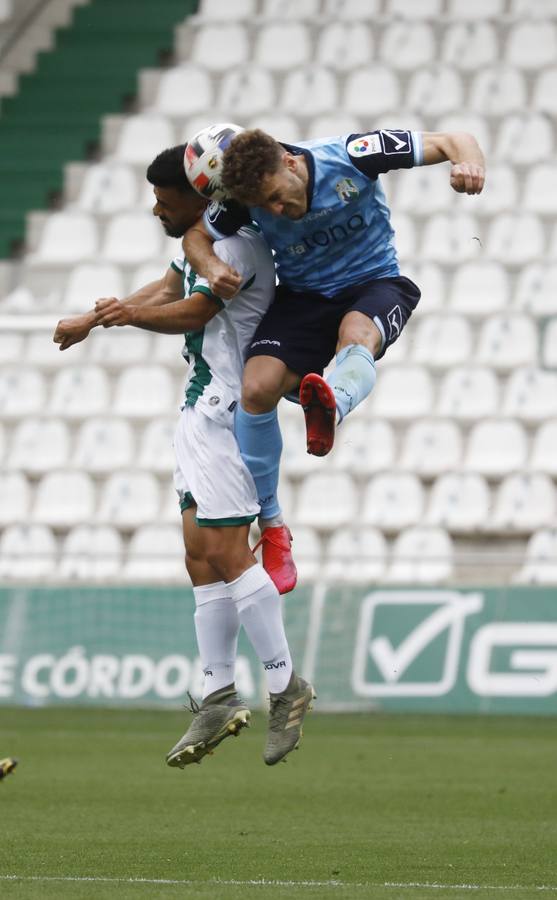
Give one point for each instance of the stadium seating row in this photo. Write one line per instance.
(363, 556)
(403, 393)
(132, 238)
(326, 500)
(493, 448)
(343, 46)
(354, 10)
(475, 289)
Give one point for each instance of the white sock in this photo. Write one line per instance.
(260, 610)
(217, 626)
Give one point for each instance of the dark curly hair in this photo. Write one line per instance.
(250, 157)
(167, 170)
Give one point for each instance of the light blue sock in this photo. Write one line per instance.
(353, 377)
(260, 443)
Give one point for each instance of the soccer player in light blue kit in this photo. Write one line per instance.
(323, 211)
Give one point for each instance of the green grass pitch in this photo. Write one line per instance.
(386, 807)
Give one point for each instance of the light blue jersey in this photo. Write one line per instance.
(346, 237)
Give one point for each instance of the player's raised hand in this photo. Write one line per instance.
(467, 178)
(109, 311)
(72, 331)
(224, 281)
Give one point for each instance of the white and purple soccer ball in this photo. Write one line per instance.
(203, 158)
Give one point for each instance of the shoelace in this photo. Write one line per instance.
(194, 706)
(272, 539)
(278, 716)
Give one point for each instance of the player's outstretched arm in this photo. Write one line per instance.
(190, 314)
(75, 329)
(224, 280)
(463, 152)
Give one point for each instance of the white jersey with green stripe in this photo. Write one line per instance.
(216, 352)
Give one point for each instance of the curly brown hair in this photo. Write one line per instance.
(250, 157)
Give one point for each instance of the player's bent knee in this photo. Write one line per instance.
(260, 395)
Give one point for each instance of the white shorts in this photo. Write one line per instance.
(211, 473)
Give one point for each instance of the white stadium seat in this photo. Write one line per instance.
(307, 548)
(39, 445)
(467, 121)
(501, 194)
(480, 288)
(282, 127)
(132, 238)
(309, 91)
(370, 90)
(108, 188)
(497, 91)
(431, 447)
(326, 501)
(2, 441)
(536, 290)
(64, 499)
(156, 453)
(91, 553)
(496, 448)
(515, 239)
(351, 10)
(393, 501)
(531, 395)
(247, 91)
(544, 95)
(524, 503)
(333, 124)
(280, 47)
(79, 392)
(450, 239)
(524, 140)
(407, 45)
(216, 9)
(182, 91)
(421, 556)
(27, 552)
(543, 457)
(540, 560)
(434, 90)
(469, 45)
(356, 556)
(402, 393)
(296, 462)
(475, 9)
(116, 348)
(533, 9)
(87, 283)
(432, 283)
(219, 48)
(469, 393)
(459, 503)
(532, 45)
(22, 392)
(104, 445)
(345, 46)
(15, 498)
(549, 349)
(11, 347)
(418, 9)
(47, 355)
(442, 341)
(423, 191)
(540, 189)
(129, 499)
(144, 391)
(507, 341)
(363, 447)
(290, 9)
(156, 552)
(67, 237)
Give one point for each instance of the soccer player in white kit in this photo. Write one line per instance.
(217, 494)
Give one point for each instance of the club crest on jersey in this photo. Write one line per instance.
(364, 145)
(346, 190)
(395, 141)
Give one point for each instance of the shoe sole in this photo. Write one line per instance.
(309, 707)
(315, 394)
(194, 753)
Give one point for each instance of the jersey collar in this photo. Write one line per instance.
(308, 156)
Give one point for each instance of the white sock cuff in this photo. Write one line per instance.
(208, 592)
(249, 582)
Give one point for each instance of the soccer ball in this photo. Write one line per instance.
(203, 158)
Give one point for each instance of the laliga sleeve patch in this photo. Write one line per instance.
(364, 145)
(396, 142)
